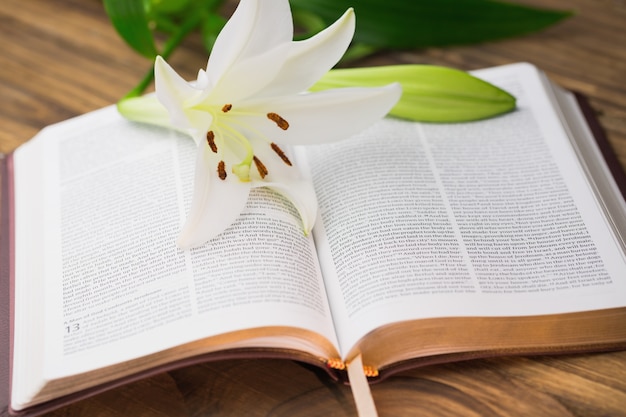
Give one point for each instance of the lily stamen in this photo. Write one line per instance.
(226, 108)
(210, 137)
(260, 167)
(280, 122)
(221, 170)
(280, 153)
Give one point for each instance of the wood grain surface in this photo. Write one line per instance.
(61, 58)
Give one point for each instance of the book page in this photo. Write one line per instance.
(489, 218)
(102, 251)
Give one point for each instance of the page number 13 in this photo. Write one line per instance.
(71, 327)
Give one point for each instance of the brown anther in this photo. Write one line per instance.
(280, 153)
(280, 122)
(221, 170)
(260, 167)
(210, 138)
(226, 108)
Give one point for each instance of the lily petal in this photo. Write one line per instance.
(177, 96)
(252, 30)
(245, 79)
(173, 91)
(326, 116)
(310, 59)
(215, 205)
(302, 195)
(289, 68)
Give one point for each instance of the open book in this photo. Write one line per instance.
(434, 243)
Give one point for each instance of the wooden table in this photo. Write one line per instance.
(59, 59)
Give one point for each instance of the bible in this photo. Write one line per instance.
(434, 243)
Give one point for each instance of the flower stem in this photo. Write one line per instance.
(192, 21)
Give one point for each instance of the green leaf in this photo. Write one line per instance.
(424, 23)
(130, 20)
(429, 93)
(168, 6)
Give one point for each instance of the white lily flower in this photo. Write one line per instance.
(251, 98)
